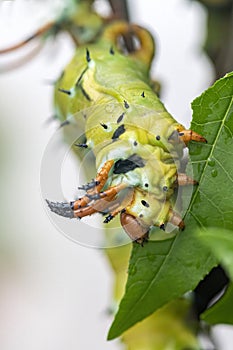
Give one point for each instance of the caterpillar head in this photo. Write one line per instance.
(139, 210)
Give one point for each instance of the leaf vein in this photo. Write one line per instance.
(153, 279)
(210, 155)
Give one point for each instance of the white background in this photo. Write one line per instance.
(55, 293)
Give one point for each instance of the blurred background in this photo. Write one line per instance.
(55, 293)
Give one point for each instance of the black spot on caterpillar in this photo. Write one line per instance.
(67, 92)
(120, 118)
(88, 57)
(118, 132)
(104, 126)
(85, 94)
(111, 51)
(123, 166)
(145, 204)
(126, 104)
(80, 77)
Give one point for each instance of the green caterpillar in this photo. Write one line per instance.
(138, 148)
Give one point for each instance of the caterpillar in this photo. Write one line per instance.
(138, 149)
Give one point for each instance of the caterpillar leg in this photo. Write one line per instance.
(62, 209)
(93, 187)
(120, 205)
(176, 220)
(97, 197)
(189, 135)
(102, 176)
(134, 229)
(109, 193)
(97, 206)
(69, 209)
(99, 201)
(184, 180)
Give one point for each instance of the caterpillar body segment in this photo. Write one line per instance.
(137, 144)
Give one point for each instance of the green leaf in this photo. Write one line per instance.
(164, 270)
(221, 243)
(212, 164)
(158, 273)
(170, 326)
(221, 312)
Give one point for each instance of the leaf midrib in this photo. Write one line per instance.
(154, 278)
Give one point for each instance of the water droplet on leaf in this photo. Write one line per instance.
(133, 270)
(214, 173)
(211, 162)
